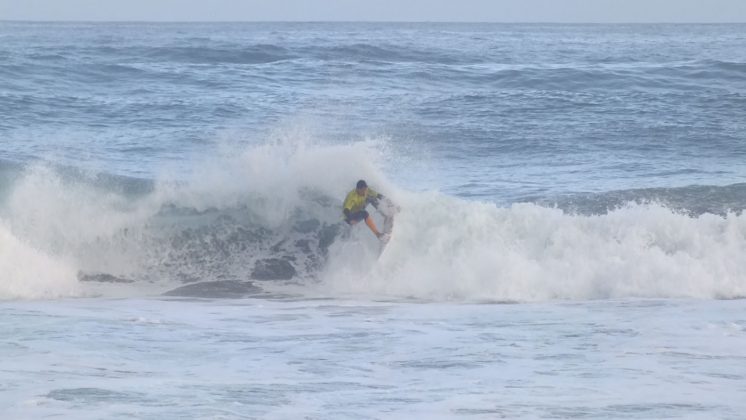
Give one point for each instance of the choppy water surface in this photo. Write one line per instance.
(498, 111)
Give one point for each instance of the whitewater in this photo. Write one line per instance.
(570, 242)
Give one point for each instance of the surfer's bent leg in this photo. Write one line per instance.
(372, 225)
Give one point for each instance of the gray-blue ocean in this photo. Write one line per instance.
(570, 241)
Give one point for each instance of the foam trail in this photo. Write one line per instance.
(445, 248)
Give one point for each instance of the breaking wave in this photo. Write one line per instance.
(270, 215)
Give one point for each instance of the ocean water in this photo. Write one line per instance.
(570, 243)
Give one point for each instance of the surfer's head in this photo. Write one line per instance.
(361, 187)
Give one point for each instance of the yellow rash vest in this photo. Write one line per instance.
(355, 202)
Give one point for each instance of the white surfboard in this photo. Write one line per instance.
(387, 210)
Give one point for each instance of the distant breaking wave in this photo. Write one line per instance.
(280, 203)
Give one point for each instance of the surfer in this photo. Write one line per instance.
(355, 203)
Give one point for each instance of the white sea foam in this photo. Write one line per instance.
(446, 248)
(30, 273)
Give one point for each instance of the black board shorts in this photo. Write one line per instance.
(358, 216)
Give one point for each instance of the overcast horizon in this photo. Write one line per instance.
(377, 22)
(477, 11)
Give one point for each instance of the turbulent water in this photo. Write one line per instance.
(592, 175)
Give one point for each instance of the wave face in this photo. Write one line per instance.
(280, 202)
